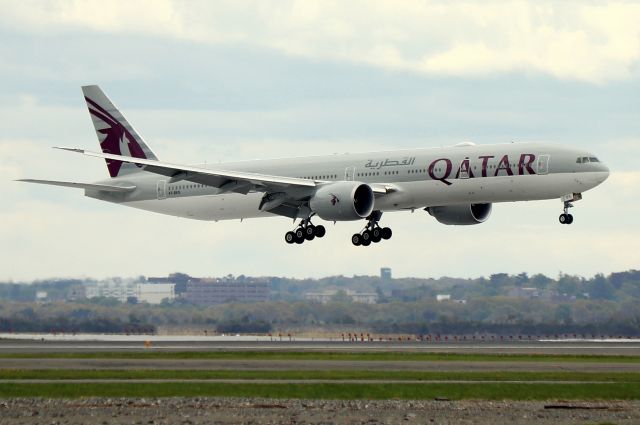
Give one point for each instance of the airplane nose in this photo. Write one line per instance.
(605, 172)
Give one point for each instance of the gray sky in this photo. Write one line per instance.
(217, 81)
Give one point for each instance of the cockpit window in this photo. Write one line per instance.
(587, 159)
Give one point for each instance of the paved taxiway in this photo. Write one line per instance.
(569, 347)
(618, 348)
(346, 365)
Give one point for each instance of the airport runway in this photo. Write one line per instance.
(569, 347)
(346, 365)
(580, 348)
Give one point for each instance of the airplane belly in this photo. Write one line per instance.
(209, 207)
(487, 190)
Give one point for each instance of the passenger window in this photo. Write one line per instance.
(593, 159)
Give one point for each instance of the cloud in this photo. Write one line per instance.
(586, 41)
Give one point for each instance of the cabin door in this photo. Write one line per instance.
(162, 189)
(349, 174)
(543, 164)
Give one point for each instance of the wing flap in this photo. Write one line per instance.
(90, 186)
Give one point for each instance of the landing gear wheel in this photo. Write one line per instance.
(305, 231)
(356, 239)
(309, 233)
(565, 217)
(290, 237)
(372, 232)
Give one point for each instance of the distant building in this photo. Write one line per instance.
(118, 289)
(220, 291)
(41, 296)
(155, 293)
(180, 281)
(356, 297)
(385, 273)
(531, 293)
(443, 297)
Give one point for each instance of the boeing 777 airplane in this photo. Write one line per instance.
(456, 185)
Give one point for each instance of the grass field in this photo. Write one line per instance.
(308, 355)
(484, 391)
(64, 374)
(484, 385)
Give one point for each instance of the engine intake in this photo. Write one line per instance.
(461, 215)
(342, 201)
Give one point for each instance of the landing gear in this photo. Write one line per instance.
(372, 232)
(305, 231)
(565, 217)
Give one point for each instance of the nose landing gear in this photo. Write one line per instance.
(372, 232)
(565, 217)
(305, 231)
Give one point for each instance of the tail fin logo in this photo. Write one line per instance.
(117, 140)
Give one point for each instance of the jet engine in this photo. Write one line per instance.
(342, 201)
(464, 214)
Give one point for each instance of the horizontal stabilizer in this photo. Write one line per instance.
(90, 186)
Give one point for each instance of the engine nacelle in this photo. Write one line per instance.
(462, 215)
(341, 201)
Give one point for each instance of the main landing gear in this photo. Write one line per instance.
(305, 231)
(565, 217)
(372, 232)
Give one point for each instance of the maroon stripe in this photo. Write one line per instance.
(103, 118)
(99, 108)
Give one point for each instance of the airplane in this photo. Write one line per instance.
(457, 185)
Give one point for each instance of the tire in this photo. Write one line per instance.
(289, 237)
(386, 233)
(366, 242)
(356, 239)
(309, 233)
(300, 233)
(300, 240)
(376, 235)
(366, 236)
(320, 231)
(563, 218)
(569, 219)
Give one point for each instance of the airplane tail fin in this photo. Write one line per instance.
(115, 134)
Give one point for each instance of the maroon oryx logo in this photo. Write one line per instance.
(118, 140)
(334, 199)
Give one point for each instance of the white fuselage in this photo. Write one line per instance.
(418, 178)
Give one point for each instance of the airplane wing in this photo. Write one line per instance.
(232, 181)
(91, 186)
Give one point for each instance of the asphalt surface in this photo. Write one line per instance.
(217, 364)
(627, 348)
(615, 348)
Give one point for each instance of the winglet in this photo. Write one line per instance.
(69, 149)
